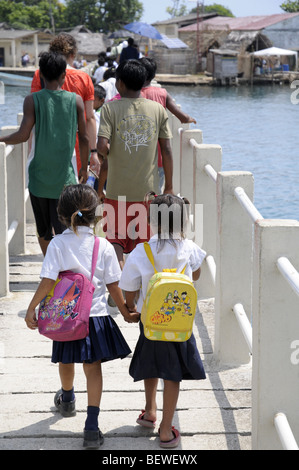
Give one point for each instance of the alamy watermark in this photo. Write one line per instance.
(131, 220)
(295, 95)
(295, 354)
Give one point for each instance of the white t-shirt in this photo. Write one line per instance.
(69, 251)
(110, 88)
(138, 270)
(99, 73)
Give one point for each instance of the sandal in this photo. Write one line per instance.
(146, 423)
(173, 442)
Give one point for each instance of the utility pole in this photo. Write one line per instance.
(200, 12)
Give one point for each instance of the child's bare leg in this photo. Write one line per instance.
(67, 374)
(170, 398)
(150, 387)
(94, 381)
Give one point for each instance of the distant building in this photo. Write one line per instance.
(247, 34)
(14, 43)
(171, 27)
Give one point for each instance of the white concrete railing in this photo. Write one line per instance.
(12, 205)
(245, 270)
(248, 263)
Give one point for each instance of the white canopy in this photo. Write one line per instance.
(273, 51)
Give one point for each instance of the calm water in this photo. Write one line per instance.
(257, 129)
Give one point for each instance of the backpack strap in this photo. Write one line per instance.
(94, 256)
(150, 256)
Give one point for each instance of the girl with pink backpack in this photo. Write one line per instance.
(72, 250)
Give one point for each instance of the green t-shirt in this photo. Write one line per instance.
(55, 136)
(133, 127)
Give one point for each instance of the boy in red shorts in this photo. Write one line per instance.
(129, 131)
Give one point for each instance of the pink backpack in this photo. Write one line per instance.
(64, 313)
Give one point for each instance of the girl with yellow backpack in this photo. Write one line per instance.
(157, 280)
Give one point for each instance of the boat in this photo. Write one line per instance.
(12, 79)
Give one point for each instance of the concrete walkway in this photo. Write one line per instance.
(214, 414)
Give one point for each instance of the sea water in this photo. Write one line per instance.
(257, 128)
(11, 104)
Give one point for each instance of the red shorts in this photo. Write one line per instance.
(126, 223)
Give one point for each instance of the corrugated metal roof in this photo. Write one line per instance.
(16, 34)
(183, 19)
(246, 23)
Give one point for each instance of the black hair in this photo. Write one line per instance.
(99, 92)
(52, 65)
(101, 60)
(110, 72)
(77, 206)
(169, 214)
(132, 73)
(150, 66)
(130, 41)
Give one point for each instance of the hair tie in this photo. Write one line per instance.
(80, 214)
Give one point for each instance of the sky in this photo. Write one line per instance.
(155, 10)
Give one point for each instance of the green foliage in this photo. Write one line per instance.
(32, 14)
(177, 9)
(289, 6)
(215, 8)
(220, 9)
(101, 15)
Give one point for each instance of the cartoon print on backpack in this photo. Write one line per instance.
(173, 305)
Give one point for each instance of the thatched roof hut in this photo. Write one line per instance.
(89, 44)
(246, 41)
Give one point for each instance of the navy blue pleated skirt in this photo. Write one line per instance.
(166, 360)
(105, 342)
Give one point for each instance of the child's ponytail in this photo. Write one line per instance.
(77, 206)
(168, 215)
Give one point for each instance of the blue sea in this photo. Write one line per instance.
(257, 128)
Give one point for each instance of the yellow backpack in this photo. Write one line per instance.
(169, 307)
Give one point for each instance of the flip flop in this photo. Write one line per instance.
(173, 442)
(146, 423)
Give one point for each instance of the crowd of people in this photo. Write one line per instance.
(116, 126)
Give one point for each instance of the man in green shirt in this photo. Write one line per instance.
(54, 115)
(130, 129)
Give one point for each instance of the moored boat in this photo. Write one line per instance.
(12, 79)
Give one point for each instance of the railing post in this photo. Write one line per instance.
(4, 258)
(233, 267)
(16, 194)
(176, 126)
(275, 359)
(187, 162)
(205, 195)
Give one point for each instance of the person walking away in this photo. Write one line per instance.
(153, 360)
(72, 250)
(159, 94)
(129, 132)
(51, 112)
(99, 72)
(109, 83)
(129, 52)
(99, 100)
(79, 82)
